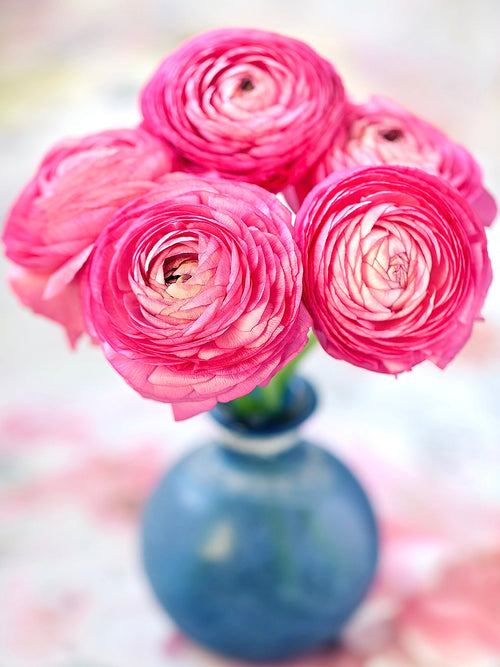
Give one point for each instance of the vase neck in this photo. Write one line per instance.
(266, 435)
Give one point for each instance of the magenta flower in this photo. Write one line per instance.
(52, 227)
(252, 105)
(383, 132)
(194, 292)
(395, 267)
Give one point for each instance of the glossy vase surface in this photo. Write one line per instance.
(260, 545)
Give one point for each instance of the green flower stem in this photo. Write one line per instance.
(269, 400)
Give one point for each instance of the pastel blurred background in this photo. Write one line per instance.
(79, 450)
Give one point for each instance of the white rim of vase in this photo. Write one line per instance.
(258, 445)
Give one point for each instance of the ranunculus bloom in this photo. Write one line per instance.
(52, 227)
(395, 267)
(252, 105)
(383, 132)
(194, 292)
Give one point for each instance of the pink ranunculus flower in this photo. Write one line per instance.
(253, 105)
(51, 229)
(383, 132)
(396, 268)
(194, 292)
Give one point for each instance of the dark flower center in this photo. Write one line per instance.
(246, 84)
(181, 278)
(179, 269)
(393, 134)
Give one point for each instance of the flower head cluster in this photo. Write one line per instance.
(196, 284)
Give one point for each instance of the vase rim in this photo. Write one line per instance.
(300, 401)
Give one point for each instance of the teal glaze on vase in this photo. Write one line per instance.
(265, 555)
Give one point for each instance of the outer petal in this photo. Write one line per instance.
(63, 308)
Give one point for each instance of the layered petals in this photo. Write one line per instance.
(51, 229)
(383, 132)
(194, 292)
(251, 105)
(396, 268)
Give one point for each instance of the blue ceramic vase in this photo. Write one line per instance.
(260, 545)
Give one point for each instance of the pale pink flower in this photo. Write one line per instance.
(383, 132)
(194, 292)
(253, 105)
(396, 268)
(52, 227)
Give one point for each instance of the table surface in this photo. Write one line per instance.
(80, 451)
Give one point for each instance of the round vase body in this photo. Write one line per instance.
(260, 557)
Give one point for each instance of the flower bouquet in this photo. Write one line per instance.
(171, 246)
